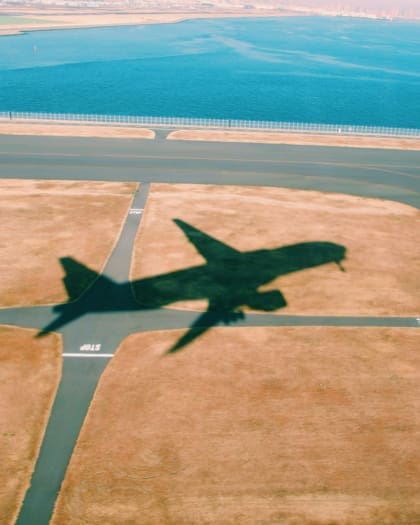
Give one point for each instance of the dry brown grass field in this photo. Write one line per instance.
(381, 238)
(295, 426)
(42, 221)
(30, 370)
(266, 137)
(73, 130)
(70, 129)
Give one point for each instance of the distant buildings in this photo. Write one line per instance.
(384, 9)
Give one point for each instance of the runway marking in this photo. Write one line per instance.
(87, 355)
(135, 211)
(88, 347)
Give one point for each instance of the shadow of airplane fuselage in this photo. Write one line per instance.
(229, 281)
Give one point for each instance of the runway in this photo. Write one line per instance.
(386, 174)
(393, 175)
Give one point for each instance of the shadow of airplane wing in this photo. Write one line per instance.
(203, 323)
(210, 248)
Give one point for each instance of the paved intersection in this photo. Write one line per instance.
(90, 341)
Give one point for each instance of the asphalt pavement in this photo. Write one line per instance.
(387, 174)
(384, 174)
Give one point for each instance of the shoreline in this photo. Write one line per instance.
(51, 19)
(54, 22)
(67, 129)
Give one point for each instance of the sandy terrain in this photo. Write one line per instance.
(296, 138)
(42, 221)
(30, 370)
(85, 18)
(9, 32)
(298, 426)
(381, 239)
(74, 130)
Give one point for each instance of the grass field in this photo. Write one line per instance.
(67, 129)
(30, 370)
(298, 426)
(267, 137)
(42, 221)
(6, 20)
(381, 239)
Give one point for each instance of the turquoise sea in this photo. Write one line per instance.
(306, 69)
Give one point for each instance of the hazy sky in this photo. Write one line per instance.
(367, 4)
(376, 5)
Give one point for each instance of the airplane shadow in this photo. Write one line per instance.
(229, 281)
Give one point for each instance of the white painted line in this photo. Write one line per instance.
(88, 355)
(135, 211)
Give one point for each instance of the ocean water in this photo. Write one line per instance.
(304, 69)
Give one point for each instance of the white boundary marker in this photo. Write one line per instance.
(87, 355)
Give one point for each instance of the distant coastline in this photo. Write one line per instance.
(23, 20)
(86, 20)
